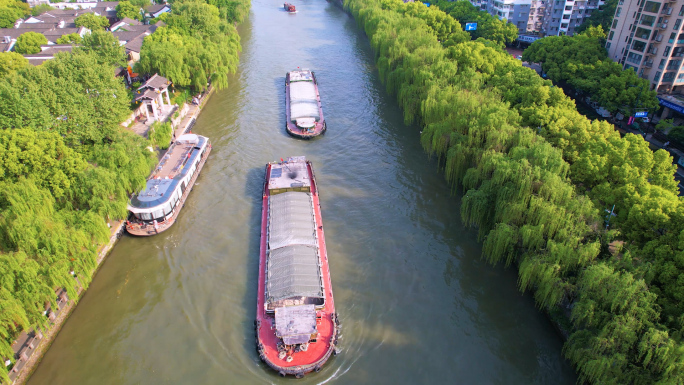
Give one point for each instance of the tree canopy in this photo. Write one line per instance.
(92, 21)
(30, 42)
(581, 62)
(129, 10)
(10, 62)
(196, 46)
(600, 17)
(105, 47)
(11, 10)
(488, 26)
(72, 38)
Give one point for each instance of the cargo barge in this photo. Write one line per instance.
(304, 112)
(156, 207)
(296, 323)
(290, 8)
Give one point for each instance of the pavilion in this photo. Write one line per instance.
(151, 94)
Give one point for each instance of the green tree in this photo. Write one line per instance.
(10, 11)
(72, 38)
(581, 62)
(677, 133)
(41, 9)
(196, 47)
(140, 3)
(600, 17)
(11, 62)
(92, 21)
(160, 134)
(30, 42)
(488, 27)
(9, 16)
(127, 9)
(104, 46)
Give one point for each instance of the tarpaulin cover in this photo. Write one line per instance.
(295, 324)
(303, 100)
(293, 271)
(291, 220)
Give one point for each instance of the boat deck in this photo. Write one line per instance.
(172, 162)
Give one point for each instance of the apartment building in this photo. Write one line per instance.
(646, 36)
(547, 17)
(562, 17)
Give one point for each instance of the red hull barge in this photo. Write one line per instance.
(156, 208)
(296, 324)
(303, 109)
(289, 7)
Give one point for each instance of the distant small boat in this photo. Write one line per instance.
(303, 110)
(290, 8)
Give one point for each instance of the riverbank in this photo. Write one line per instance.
(32, 345)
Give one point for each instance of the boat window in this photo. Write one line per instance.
(146, 216)
(158, 214)
(168, 208)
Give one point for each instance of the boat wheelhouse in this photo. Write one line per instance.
(156, 207)
(304, 112)
(296, 323)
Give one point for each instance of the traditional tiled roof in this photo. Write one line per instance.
(125, 35)
(155, 82)
(148, 94)
(60, 32)
(140, 28)
(135, 45)
(155, 8)
(12, 33)
(48, 52)
(130, 21)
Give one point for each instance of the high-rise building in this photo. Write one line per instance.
(547, 17)
(646, 36)
(562, 17)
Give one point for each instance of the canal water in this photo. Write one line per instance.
(416, 301)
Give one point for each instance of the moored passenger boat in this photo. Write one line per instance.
(296, 324)
(289, 7)
(156, 207)
(304, 113)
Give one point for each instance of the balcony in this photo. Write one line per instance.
(658, 38)
(648, 63)
(662, 25)
(653, 50)
(666, 11)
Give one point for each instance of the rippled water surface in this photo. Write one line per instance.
(416, 302)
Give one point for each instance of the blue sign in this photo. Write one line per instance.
(641, 114)
(671, 105)
(427, 4)
(471, 26)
